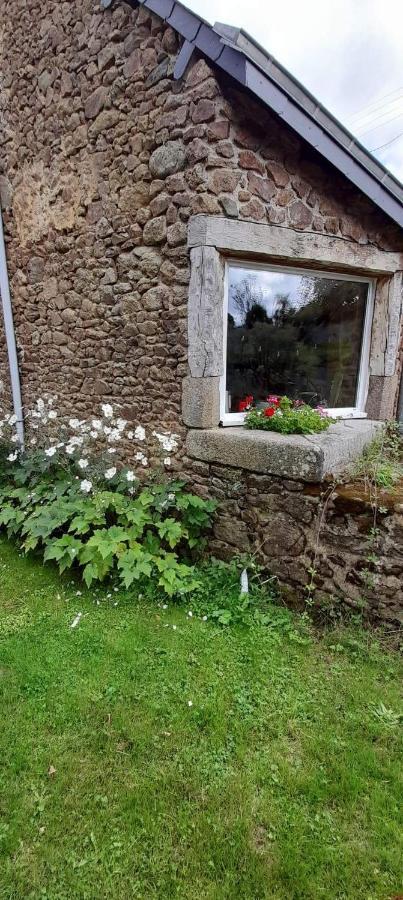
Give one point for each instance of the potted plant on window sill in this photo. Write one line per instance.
(286, 416)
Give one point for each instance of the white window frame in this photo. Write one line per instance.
(355, 412)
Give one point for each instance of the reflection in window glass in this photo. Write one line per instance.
(293, 334)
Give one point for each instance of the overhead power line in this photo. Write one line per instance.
(379, 101)
(388, 143)
(386, 111)
(380, 124)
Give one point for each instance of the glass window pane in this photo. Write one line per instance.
(293, 334)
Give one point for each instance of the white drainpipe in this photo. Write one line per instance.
(10, 338)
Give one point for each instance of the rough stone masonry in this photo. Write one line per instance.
(104, 159)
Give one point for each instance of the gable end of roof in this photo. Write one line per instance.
(238, 55)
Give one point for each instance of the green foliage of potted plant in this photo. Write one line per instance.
(288, 417)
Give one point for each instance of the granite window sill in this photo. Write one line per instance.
(304, 457)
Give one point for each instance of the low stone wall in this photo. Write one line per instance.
(294, 527)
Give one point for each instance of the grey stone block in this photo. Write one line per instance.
(303, 457)
(201, 402)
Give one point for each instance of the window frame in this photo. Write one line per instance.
(357, 411)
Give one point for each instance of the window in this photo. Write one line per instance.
(296, 332)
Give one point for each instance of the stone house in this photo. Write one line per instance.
(186, 226)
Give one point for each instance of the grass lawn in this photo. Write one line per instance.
(281, 780)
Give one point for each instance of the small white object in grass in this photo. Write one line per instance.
(165, 606)
(190, 702)
(76, 620)
(244, 582)
(190, 614)
(174, 627)
(78, 593)
(204, 618)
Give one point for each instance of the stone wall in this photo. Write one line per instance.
(105, 158)
(292, 527)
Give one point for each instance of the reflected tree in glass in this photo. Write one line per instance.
(303, 341)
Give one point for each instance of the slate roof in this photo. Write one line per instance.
(240, 56)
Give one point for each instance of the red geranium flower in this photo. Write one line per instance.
(269, 411)
(245, 404)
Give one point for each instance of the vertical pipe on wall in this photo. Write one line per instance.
(10, 338)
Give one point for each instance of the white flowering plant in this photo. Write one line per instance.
(70, 495)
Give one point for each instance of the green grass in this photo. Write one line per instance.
(280, 781)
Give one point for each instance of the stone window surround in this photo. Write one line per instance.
(214, 239)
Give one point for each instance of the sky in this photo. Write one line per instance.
(348, 53)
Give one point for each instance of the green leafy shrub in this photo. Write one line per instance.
(110, 522)
(288, 417)
(139, 537)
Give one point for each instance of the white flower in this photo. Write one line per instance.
(106, 429)
(40, 404)
(121, 424)
(76, 440)
(13, 456)
(112, 450)
(141, 458)
(204, 618)
(12, 420)
(168, 441)
(114, 434)
(96, 424)
(130, 435)
(140, 433)
(107, 410)
(190, 614)
(130, 476)
(190, 702)
(74, 423)
(171, 497)
(69, 449)
(52, 414)
(83, 463)
(51, 451)
(86, 486)
(110, 472)
(93, 434)
(14, 439)
(167, 461)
